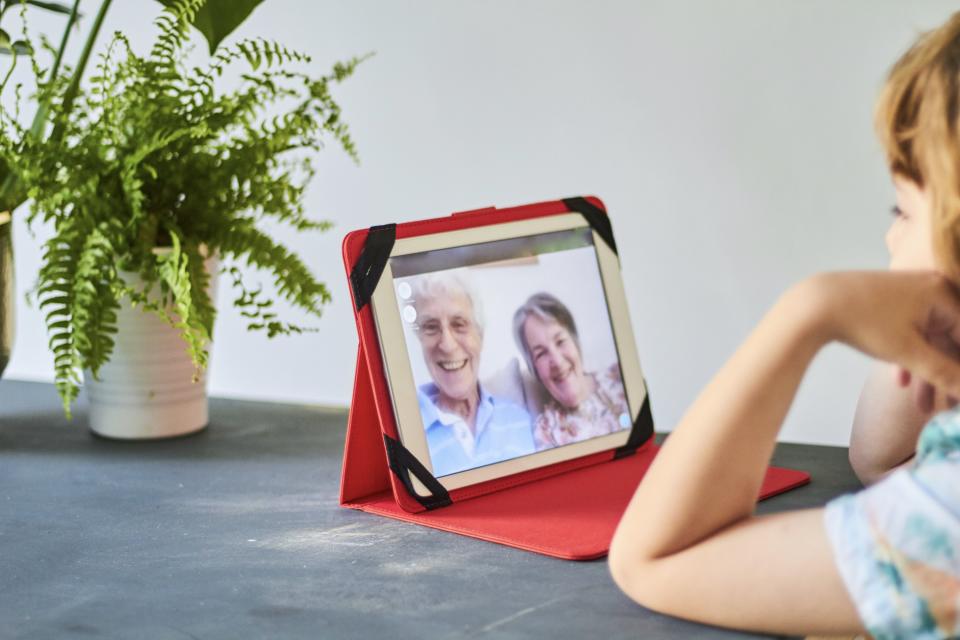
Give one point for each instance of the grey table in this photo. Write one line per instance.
(236, 533)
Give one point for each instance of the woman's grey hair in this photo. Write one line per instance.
(548, 308)
(455, 281)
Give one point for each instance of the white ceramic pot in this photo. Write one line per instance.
(147, 389)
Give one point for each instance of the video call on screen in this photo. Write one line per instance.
(511, 348)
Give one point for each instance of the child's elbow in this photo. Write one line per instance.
(635, 575)
(867, 469)
(862, 468)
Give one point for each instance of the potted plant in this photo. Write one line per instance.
(151, 176)
(215, 20)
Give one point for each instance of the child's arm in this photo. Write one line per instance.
(886, 425)
(688, 543)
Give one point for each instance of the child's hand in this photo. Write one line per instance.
(911, 319)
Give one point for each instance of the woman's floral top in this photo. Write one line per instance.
(604, 411)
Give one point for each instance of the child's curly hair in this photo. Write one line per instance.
(918, 122)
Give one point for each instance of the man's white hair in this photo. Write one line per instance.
(432, 285)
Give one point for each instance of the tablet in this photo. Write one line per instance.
(507, 347)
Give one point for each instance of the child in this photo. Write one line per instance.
(885, 560)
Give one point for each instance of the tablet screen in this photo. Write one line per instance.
(511, 348)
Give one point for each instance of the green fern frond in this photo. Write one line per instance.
(293, 280)
(195, 324)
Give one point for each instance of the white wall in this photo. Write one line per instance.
(731, 142)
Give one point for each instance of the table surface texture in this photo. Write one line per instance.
(236, 532)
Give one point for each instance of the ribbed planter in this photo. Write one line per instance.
(147, 389)
(7, 312)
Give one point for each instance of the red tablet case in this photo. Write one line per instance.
(566, 510)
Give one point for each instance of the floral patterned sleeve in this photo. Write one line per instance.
(897, 543)
(542, 432)
(612, 384)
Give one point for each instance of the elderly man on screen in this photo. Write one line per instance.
(466, 426)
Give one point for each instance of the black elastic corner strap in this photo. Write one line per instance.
(641, 432)
(373, 258)
(403, 463)
(598, 219)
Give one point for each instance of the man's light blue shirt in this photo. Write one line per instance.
(503, 431)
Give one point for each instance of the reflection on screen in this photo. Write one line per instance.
(511, 348)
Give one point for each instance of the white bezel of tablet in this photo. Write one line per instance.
(400, 379)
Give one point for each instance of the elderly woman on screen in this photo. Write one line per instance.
(466, 427)
(582, 404)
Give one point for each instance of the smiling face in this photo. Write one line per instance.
(451, 342)
(910, 238)
(556, 359)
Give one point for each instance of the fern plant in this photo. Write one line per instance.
(152, 155)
